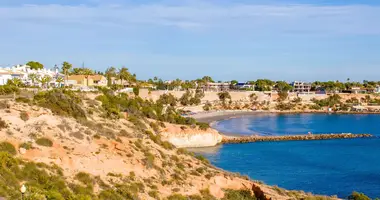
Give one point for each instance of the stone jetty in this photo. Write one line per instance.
(248, 139)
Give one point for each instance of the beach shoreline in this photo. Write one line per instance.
(215, 116)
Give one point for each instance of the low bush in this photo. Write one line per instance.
(8, 89)
(177, 197)
(84, 178)
(61, 102)
(238, 195)
(26, 146)
(202, 158)
(8, 147)
(153, 194)
(23, 100)
(24, 116)
(3, 124)
(358, 196)
(44, 142)
(203, 126)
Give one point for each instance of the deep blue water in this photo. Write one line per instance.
(330, 167)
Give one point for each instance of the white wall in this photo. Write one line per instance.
(4, 79)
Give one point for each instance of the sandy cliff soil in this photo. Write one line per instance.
(113, 150)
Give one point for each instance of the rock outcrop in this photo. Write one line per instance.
(189, 137)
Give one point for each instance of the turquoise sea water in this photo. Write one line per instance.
(330, 167)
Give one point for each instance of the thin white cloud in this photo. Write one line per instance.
(298, 19)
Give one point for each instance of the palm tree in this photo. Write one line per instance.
(59, 80)
(66, 67)
(87, 72)
(15, 81)
(110, 73)
(124, 74)
(33, 77)
(45, 80)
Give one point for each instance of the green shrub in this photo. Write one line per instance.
(203, 126)
(22, 100)
(61, 102)
(24, 116)
(84, 178)
(238, 195)
(358, 196)
(110, 195)
(153, 194)
(26, 146)
(177, 197)
(149, 160)
(44, 142)
(8, 147)
(8, 89)
(3, 124)
(202, 158)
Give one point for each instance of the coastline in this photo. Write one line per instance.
(215, 116)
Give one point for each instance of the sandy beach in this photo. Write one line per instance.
(209, 117)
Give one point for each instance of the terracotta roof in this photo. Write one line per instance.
(81, 77)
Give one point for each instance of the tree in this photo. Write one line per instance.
(136, 91)
(86, 72)
(283, 86)
(15, 81)
(234, 82)
(186, 98)
(253, 98)
(59, 80)
(264, 85)
(208, 79)
(124, 74)
(223, 96)
(45, 80)
(33, 77)
(282, 96)
(167, 99)
(66, 67)
(110, 73)
(35, 65)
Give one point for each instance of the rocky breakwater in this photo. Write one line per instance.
(183, 137)
(247, 139)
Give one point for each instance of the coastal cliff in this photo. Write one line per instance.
(190, 137)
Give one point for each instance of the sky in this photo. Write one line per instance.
(226, 39)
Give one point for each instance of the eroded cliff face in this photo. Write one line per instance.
(189, 137)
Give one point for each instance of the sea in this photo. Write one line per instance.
(326, 167)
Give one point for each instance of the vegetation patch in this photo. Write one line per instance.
(8, 147)
(44, 142)
(61, 102)
(8, 89)
(3, 124)
(26, 145)
(24, 116)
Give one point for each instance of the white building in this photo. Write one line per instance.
(377, 89)
(23, 72)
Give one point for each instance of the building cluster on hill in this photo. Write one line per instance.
(29, 76)
(35, 75)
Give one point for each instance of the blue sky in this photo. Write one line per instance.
(240, 39)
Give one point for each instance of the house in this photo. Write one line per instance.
(377, 89)
(357, 90)
(23, 72)
(84, 80)
(4, 77)
(301, 87)
(244, 86)
(216, 87)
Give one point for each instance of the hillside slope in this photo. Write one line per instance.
(99, 158)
